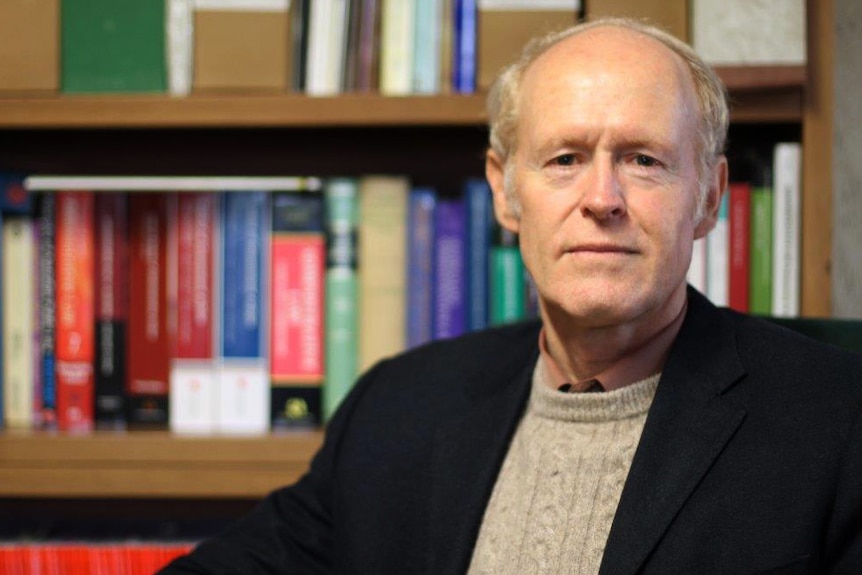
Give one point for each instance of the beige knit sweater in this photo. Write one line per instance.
(555, 497)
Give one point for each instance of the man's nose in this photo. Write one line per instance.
(603, 196)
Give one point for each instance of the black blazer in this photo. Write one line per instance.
(750, 462)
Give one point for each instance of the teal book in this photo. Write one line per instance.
(341, 197)
(508, 302)
(113, 46)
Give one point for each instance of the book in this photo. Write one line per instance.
(14, 195)
(480, 219)
(397, 32)
(75, 317)
(225, 60)
(760, 238)
(717, 258)
(364, 52)
(428, 22)
(296, 308)
(464, 46)
(697, 269)
(112, 308)
(382, 267)
(150, 344)
(341, 292)
(243, 391)
(325, 57)
(507, 278)
(738, 32)
(193, 394)
(420, 265)
(18, 304)
(299, 20)
(180, 46)
(787, 213)
(29, 46)
(450, 276)
(111, 46)
(447, 47)
(505, 27)
(739, 217)
(47, 319)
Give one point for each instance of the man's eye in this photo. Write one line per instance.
(565, 160)
(645, 161)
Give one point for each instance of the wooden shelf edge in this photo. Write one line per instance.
(298, 110)
(151, 464)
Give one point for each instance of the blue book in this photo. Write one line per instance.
(464, 47)
(14, 197)
(420, 265)
(47, 319)
(2, 408)
(426, 47)
(243, 375)
(450, 229)
(477, 194)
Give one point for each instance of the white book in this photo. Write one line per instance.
(697, 268)
(180, 30)
(786, 229)
(397, 24)
(325, 58)
(19, 293)
(192, 400)
(718, 257)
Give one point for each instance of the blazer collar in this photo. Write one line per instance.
(687, 427)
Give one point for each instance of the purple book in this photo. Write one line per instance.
(450, 310)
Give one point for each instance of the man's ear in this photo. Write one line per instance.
(503, 210)
(717, 188)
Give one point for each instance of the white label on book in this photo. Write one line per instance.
(243, 396)
(243, 5)
(529, 5)
(192, 397)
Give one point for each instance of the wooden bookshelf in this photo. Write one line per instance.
(760, 94)
(141, 464)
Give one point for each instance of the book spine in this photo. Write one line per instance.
(717, 259)
(426, 46)
(342, 308)
(464, 68)
(2, 323)
(47, 309)
(150, 336)
(179, 46)
(75, 311)
(479, 225)
(18, 303)
(243, 372)
(740, 225)
(450, 238)
(760, 279)
(368, 60)
(420, 266)
(296, 340)
(507, 279)
(382, 248)
(111, 309)
(787, 172)
(398, 19)
(192, 377)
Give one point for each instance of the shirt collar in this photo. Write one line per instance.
(640, 364)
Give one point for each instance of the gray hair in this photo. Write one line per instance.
(502, 103)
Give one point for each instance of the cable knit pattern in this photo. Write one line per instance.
(557, 492)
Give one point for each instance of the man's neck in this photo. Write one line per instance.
(622, 353)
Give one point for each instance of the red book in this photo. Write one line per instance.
(740, 223)
(75, 247)
(150, 333)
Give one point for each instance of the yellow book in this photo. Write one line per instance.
(382, 267)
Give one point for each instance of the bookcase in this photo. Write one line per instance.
(434, 139)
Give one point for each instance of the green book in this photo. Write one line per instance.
(760, 278)
(113, 46)
(508, 303)
(341, 304)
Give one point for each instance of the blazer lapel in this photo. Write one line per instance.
(686, 429)
(469, 450)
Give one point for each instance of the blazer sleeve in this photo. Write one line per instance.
(844, 539)
(291, 530)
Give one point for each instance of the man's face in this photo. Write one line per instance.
(605, 174)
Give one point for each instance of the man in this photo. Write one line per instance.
(716, 443)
